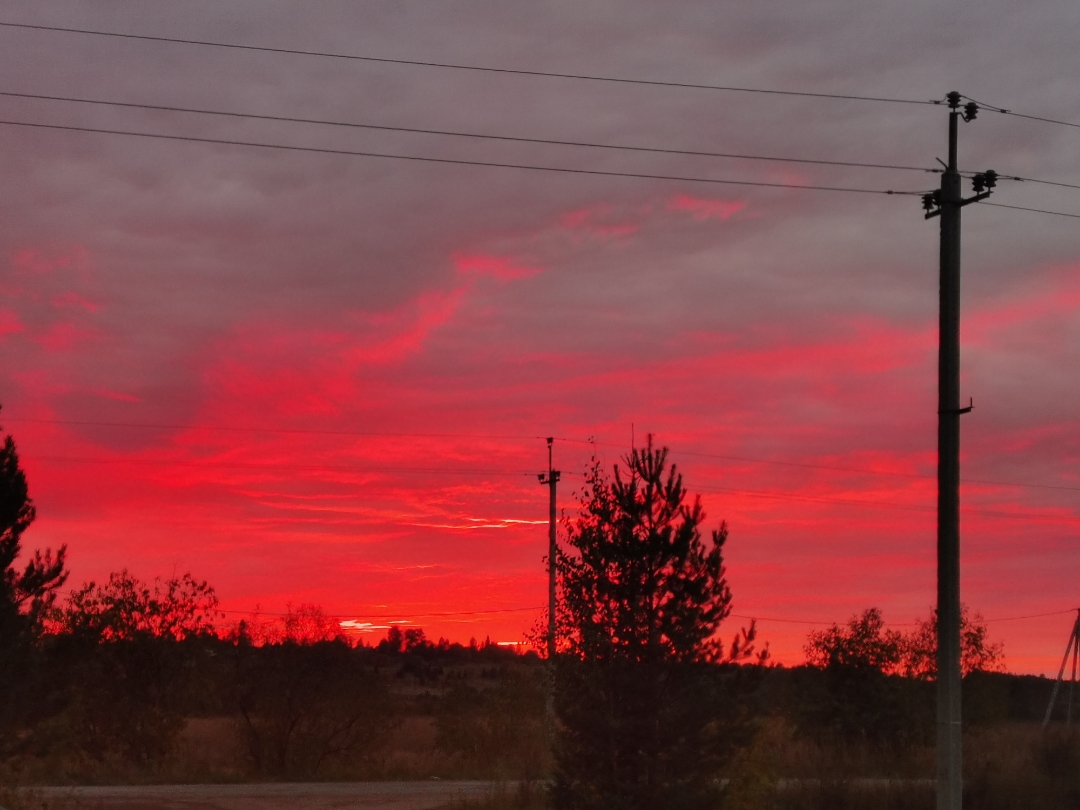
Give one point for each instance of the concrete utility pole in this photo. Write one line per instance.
(947, 203)
(550, 479)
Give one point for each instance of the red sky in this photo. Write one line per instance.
(318, 379)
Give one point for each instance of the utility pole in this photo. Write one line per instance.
(946, 203)
(1072, 647)
(550, 479)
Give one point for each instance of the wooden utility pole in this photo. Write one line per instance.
(1072, 647)
(947, 203)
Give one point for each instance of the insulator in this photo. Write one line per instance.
(928, 202)
(991, 178)
(971, 109)
(979, 183)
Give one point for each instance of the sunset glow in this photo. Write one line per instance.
(314, 379)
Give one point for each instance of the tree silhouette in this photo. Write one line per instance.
(863, 643)
(644, 720)
(977, 653)
(27, 593)
(125, 608)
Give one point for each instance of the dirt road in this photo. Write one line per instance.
(289, 796)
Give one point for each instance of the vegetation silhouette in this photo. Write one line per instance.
(27, 592)
(646, 718)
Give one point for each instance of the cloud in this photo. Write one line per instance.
(703, 208)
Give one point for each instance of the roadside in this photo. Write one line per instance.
(274, 796)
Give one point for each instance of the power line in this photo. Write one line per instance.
(1056, 183)
(787, 496)
(388, 616)
(834, 468)
(1031, 616)
(285, 431)
(512, 437)
(887, 504)
(453, 161)
(459, 134)
(284, 466)
(788, 620)
(1032, 210)
(474, 68)
(1023, 115)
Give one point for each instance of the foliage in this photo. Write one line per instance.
(644, 716)
(306, 624)
(640, 584)
(125, 608)
(977, 654)
(864, 695)
(126, 648)
(304, 706)
(30, 592)
(864, 643)
(495, 729)
(26, 595)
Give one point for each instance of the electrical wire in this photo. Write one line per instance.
(283, 431)
(1004, 111)
(454, 161)
(787, 620)
(283, 466)
(288, 467)
(1031, 616)
(521, 437)
(388, 616)
(834, 468)
(1032, 210)
(889, 504)
(458, 134)
(1055, 183)
(474, 68)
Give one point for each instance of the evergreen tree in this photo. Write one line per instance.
(645, 715)
(26, 592)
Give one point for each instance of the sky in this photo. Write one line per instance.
(326, 379)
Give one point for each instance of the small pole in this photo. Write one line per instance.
(551, 479)
(1073, 648)
(1072, 682)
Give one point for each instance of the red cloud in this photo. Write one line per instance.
(9, 322)
(701, 208)
(498, 267)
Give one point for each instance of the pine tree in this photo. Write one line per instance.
(25, 595)
(645, 715)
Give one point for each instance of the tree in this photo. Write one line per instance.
(128, 648)
(864, 643)
(643, 720)
(857, 698)
(977, 653)
(864, 695)
(303, 706)
(26, 595)
(124, 608)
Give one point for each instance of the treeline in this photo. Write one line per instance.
(128, 681)
(120, 671)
